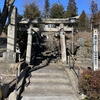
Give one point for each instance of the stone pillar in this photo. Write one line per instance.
(63, 44)
(10, 55)
(11, 34)
(29, 45)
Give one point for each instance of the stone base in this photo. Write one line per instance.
(9, 57)
(7, 69)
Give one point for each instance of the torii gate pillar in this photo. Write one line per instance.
(63, 44)
(29, 45)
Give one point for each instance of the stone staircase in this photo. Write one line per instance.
(49, 82)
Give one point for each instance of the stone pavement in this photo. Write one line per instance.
(50, 82)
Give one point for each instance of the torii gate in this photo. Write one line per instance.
(62, 28)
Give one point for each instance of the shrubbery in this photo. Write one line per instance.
(89, 84)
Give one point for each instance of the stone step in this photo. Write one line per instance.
(49, 86)
(52, 81)
(50, 69)
(40, 56)
(41, 62)
(49, 83)
(46, 79)
(68, 97)
(40, 92)
(46, 74)
(38, 61)
(49, 76)
(44, 61)
(37, 71)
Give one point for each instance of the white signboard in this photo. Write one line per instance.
(95, 49)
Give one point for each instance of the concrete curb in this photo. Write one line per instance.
(73, 80)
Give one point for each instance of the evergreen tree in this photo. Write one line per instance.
(57, 11)
(46, 8)
(0, 11)
(83, 24)
(71, 9)
(31, 10)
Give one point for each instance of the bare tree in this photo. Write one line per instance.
(46, 8)
(94, 11)
(94, 7)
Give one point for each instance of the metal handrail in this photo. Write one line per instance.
(75, 61)
(79, 68)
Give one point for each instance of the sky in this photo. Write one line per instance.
(81, 4)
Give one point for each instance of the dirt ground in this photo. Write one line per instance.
(88, 41)
(88, 38)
